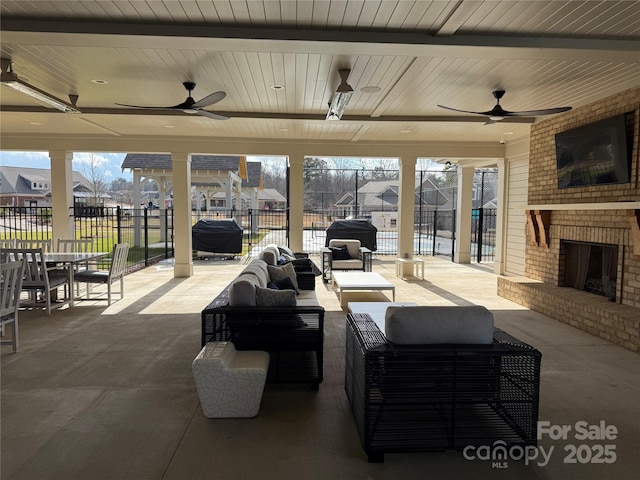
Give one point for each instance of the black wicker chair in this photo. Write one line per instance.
(439, 397)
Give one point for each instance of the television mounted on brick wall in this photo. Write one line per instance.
(598, 153)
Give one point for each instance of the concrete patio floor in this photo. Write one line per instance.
(99, 392)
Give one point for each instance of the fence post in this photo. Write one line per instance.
(479, 234)
(146, 237)
(119, 224)
(435, 231)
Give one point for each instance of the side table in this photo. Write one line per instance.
(418, 267)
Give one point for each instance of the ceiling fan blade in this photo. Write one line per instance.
(534, 113)
(215, 97)
(463, 111)
(215, 116)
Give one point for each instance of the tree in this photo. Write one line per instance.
(91, 166)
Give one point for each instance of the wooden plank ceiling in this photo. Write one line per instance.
(417, 54)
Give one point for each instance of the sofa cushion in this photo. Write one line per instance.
(270, 255)
(277, 273)
(259, 269)
(242, 291)
(307, 298)
(266, 297)
(285, 284)
(439, 324)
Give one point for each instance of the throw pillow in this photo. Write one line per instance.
(279, 272)
(285, 284)
(265, 297)
(273, 286)
(340, 253)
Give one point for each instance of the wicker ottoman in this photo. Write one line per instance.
(229, 383)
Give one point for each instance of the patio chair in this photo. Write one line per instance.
(11, 275)
(344, 254)
(46, 245)
(36, 274)
(73, 246)
(107, 277)
(8, 243)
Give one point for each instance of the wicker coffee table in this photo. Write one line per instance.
(361, 281)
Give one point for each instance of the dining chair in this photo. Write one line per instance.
(74, 246)
(36, 274)
(8, 243)
(46, 245)
(11, 275)
(115, 273)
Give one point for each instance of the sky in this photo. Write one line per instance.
(109, 162)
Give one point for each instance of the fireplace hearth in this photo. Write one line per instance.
(591, 267)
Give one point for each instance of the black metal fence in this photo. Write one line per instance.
(150, 231)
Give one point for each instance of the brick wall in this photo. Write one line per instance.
(598, 226)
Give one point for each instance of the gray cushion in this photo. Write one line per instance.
(242, 292)
(439, 324)
(270, 255)
(259, 269)
(266, 297)
(280, 272)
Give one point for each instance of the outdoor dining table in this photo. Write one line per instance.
(71, 260)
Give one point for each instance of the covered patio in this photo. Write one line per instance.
(106, 393)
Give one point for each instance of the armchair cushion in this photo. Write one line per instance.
(439, 325)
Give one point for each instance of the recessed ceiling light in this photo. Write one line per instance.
(35, 123)
(169, 126)
(508, 133)
(277, 86)
(405, 131)
(99, 81)
(283, 129)
(370, 89)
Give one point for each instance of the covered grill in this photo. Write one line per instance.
(217, 236)
(356, 229)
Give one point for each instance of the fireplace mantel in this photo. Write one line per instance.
(586, 206)
(538, 217)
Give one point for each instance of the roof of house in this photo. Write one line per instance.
(17, 180)
(162, 161)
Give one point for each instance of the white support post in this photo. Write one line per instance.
(406, 209)
(296, 201)
(182, 214)
(464, 202)
(62, 195)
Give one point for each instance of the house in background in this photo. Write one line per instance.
(31, 187)
(379, 201)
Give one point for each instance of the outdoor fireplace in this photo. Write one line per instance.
(591, 267)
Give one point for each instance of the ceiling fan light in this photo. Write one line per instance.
(496, 117)
(190, 111)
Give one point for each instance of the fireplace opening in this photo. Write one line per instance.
(591, 267)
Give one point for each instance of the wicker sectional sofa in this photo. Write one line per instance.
(293, 334)
(439, 396)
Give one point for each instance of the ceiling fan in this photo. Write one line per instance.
(190, 105)
(498, 113)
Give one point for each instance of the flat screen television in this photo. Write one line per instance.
(598, 153)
